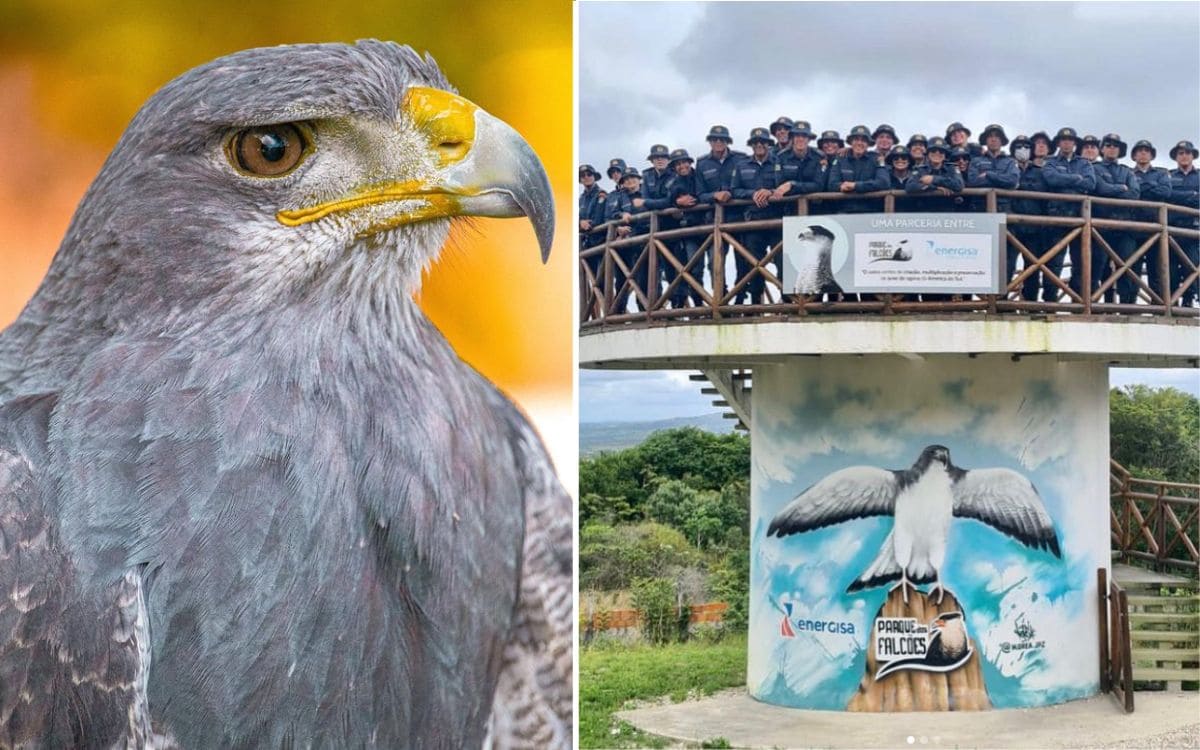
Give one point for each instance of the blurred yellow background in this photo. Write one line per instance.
(73, 74)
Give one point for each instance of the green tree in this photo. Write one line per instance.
(1155, 432)
(610, 557)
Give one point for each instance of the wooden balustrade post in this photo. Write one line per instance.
(1164, 260)
(609, 234)
(652, 286)
(989, 202)
(718, 260)
(1160, 559)
(1085, 256)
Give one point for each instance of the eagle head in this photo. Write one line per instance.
(295, 173)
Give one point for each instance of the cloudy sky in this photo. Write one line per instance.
(664, 72)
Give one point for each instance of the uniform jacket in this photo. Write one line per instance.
(716, 176)
(1153, 185)
(591, 207)
(1185, 191)
(654, 188)
(679, 186)
(621, 202)
(1075, 175)
(865, 173)
(929, 199)
(1001, 172)
(1115, 180)
(1032, 179)
(803, 172)
(750, 177)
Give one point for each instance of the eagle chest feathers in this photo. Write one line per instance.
(336, 508)
(923, 513)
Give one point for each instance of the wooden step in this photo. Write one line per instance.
(697, 377)
(1163, 617)
(709, 391)
(1173, 636)
(730, 415)
(1148, 600)
(720, 402)
(1164, 653)
(1166, 674)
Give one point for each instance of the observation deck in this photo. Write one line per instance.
(715, 332)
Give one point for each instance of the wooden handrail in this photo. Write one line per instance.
(1158, 527)
(601, 304)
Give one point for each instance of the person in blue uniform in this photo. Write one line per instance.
(715, 170)
(1115, 180)
(591, 215)
(959, 136)
(616, 170)
(683, 191)
(755, 180)
(621, 209)
(1069, 173)
(899, 166)
(1154, 185)
(960, 159)
(829, 146)
(1185, 191)
(858, 172)
(799, 167)
(884, 139)
(993, 168)
(934, 183)
(1089, 148)
(918, 145)
(1033, 237)
(781, 131)
(654, 193)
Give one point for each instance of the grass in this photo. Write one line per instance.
(612, 675)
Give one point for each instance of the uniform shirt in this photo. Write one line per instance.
(1033, 180)
(1185, 191)
(715, 175)
(621, 202)
(1153, 185)
(1114, 180)
(749, 177)
(999, 171)
(654, 188)
(804, 172)
(591, 207)
(1075, 175)
(865, 173)
(945, 176)
(681, 185)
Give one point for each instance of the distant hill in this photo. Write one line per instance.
(607, 436)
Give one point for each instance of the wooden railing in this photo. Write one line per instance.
(1116, 662)
(1155, 521)
(624, 259)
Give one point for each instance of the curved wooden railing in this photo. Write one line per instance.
(602, 303)
(1155, 521)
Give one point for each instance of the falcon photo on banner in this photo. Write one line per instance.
(918, 539)
(250, 495)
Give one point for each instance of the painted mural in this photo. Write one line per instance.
(926, 533)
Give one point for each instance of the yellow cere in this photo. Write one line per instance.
(448, 120)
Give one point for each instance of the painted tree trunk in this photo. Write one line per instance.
(961, 689)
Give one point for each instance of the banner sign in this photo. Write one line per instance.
(900, 253)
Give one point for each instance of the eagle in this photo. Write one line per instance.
(813, 259)
(249, 495)
(922, 499)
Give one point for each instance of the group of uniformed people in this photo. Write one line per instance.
(932, 172)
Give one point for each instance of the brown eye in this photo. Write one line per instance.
(269, 150)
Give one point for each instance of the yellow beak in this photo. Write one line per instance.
(482, 167)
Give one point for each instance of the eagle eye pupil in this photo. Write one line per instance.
(273, 146)
(270, 150)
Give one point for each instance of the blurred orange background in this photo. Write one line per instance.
(73, 74)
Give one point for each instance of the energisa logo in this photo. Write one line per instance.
(1025, 632)
(789, 627)
(903, 643)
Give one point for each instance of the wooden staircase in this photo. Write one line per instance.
(1164, 626)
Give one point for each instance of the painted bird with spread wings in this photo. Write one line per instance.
(922, 499)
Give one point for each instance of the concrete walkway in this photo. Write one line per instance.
(1161, 720)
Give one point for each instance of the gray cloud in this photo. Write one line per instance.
(664, 72)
